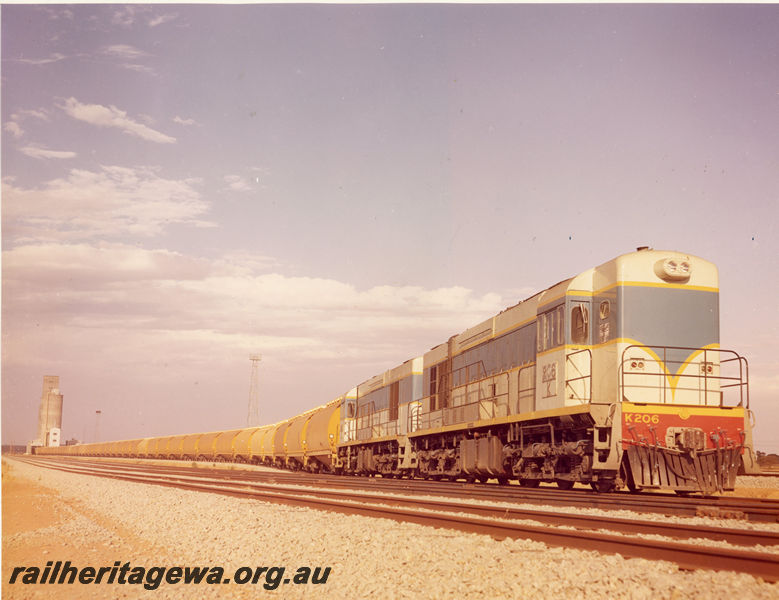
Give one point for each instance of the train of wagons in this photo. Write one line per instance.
(612, 378)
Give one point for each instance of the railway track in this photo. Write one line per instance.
(768, 473)
(751, 509)
(586, 532)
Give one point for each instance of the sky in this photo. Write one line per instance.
(341, 187)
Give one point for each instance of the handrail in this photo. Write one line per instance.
(669, 377)
(449, 414)
(584, 378)
(456, 373)
(482, 401)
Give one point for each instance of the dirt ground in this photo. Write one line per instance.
(39, 525)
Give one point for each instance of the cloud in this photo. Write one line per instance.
(52, 58)
(14, 129)
(182, 121)
(139, 68)
(38, 152)
(248, 263)
(124, 16)
(186, 306)
(14, 125)
(93, 266)
(148, 119)
(110, 116)
(237, 183)
(124, 51)
(57, 13)
(114, 201)
(159, 20)
(128, 57)
(41, 113)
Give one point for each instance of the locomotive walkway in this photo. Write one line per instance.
(571, 530)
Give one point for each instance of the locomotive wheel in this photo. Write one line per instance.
(604, 486)
(483, 479)
(564, 484)
(529, 483)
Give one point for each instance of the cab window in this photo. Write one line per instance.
(559, 326)
(580, 324)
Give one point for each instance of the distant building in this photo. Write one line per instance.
(50, 413)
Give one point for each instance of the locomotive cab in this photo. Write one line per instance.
(680, 401)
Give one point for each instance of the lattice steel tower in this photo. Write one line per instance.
(253, 418)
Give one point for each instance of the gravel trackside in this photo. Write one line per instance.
(94, 522)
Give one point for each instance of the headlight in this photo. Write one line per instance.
(673, 269)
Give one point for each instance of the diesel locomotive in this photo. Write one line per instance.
(613, 378)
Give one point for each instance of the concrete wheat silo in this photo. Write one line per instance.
(50, 412)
